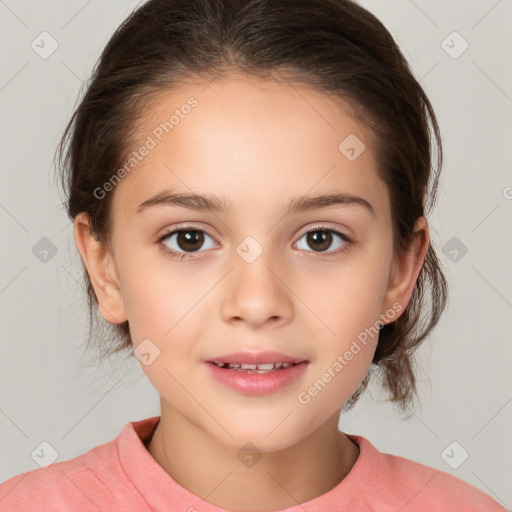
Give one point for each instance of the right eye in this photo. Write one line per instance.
(184, 242)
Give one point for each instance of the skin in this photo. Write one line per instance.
(259, 144)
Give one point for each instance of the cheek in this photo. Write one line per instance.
(349, 305)
(349, 295)
(157, 295)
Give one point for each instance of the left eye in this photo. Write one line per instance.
(321, 239)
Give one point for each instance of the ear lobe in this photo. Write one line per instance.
(406, 268)
(101, 269)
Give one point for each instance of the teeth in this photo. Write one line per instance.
(268, 366)
(264, 367)
(253, 368)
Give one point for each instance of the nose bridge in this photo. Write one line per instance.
(256, 291)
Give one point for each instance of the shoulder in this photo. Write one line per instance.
(401, 482)
(67, 485)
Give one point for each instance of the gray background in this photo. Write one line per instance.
(48, 393)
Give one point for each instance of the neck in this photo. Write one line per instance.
(276, 481)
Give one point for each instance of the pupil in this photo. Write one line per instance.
(320, 239)
(190, 240)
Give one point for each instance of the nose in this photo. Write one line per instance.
(257, 293)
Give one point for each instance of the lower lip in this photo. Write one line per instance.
(257, 383)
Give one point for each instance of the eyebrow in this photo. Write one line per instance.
(209, 202)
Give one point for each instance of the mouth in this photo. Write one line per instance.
(256, 373)
(256, 377)
(260, 368)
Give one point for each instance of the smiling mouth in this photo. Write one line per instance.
(254, 368)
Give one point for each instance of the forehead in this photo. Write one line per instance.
(253, 141)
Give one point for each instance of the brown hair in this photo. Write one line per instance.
(335, 46)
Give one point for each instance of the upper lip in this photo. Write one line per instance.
(255, 358)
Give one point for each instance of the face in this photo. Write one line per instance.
(256, 275)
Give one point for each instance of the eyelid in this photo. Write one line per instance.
(182, 227)
(319, 226)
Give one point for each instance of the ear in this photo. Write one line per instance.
(405, 269)
(100, 266)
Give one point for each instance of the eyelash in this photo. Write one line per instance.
(181, 256)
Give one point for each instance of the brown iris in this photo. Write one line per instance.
(190, 240)
(320, 239)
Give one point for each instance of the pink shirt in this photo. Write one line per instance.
(122, 476)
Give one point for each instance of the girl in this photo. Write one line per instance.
(248, 182)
